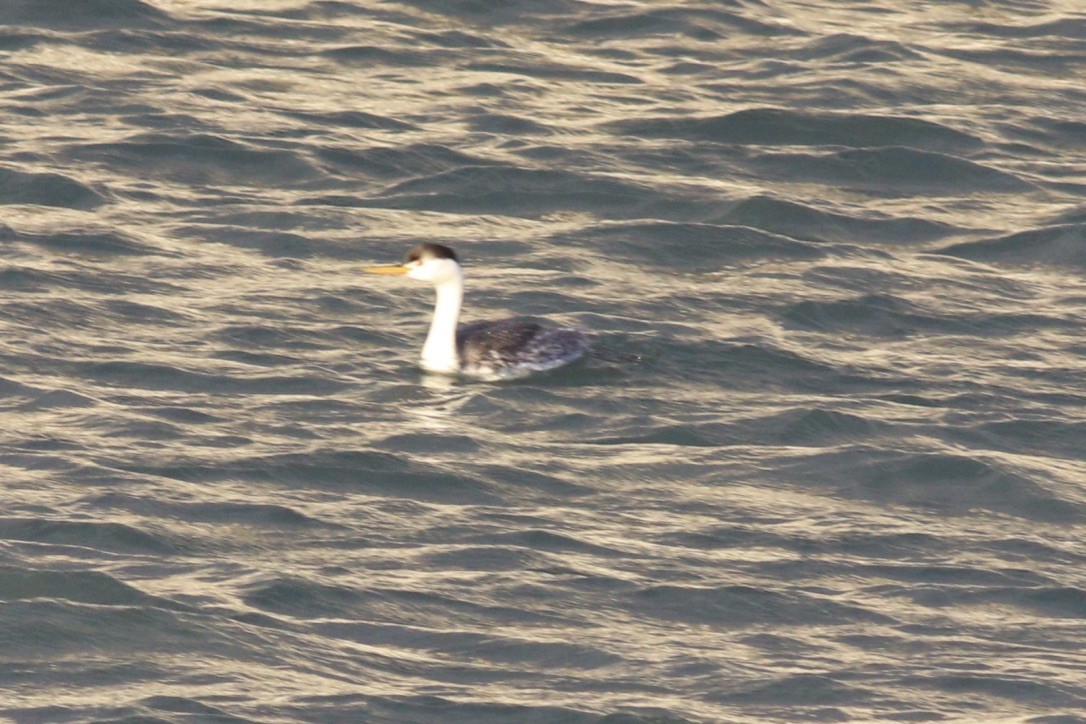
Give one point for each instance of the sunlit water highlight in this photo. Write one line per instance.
(826, 461)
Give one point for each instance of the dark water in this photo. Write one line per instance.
(827, 462)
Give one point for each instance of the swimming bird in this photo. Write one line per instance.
(501, 350)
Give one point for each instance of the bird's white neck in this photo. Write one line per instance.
(439, 350)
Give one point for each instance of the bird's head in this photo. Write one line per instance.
(432, 263)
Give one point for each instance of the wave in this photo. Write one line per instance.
(202, 159)
(47, 189)
(1061, 246)
(82, 15)
(783, 127)
(515, 191)
(94, 535)
(950, 483)
(740, 606)
(891, 171)
(690, 246)
(805, 221)
(88, 243)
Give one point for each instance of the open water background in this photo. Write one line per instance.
(827, 463)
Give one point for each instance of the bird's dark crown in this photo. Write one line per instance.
(430, 251)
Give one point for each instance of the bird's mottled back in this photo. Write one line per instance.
(515, 347)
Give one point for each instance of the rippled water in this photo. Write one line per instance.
(825, 463)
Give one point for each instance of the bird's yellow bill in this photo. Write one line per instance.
(395, 269)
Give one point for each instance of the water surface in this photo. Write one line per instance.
(827, 459)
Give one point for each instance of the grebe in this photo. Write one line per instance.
(501, 350)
